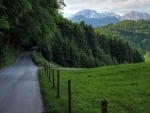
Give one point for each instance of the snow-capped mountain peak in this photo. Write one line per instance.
(95, 18)
(87, 13)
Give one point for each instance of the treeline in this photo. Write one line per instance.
(79, 45)
(137, 32)
(28, 23)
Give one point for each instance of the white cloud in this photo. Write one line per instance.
(117, 6)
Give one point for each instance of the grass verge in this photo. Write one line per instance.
(38, 59)
(125, 87)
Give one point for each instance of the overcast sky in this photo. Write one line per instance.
(116, 6)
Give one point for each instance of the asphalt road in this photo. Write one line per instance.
(19, 87)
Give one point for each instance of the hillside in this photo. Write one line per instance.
(27, 24)
(125, 87)
(137, 32)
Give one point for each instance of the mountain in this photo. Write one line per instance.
(95, 22)
(96, 19)
(133, 15)
(137, 32)
(87, 14)
(59, 40)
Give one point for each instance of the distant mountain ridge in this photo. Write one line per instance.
(96, 19)
(133, 15)
(95, 22)
(87, 13)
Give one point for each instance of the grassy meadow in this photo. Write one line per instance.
(125, 87)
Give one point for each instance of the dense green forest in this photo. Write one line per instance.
(28, 23)
(136, 32)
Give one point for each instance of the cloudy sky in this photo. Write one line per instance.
(117, 6)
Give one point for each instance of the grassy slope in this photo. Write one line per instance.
(126, 87)
(147, 57)
(39, 60)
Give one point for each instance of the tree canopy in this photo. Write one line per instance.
(137, 32)
(28, 23)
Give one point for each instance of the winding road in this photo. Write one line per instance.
(19, 87)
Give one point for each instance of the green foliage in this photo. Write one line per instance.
(38, 58)
(8, 55)
(78, 45)
(27, 23)
(136, 32)
(125, 87)
(147, 56)
(36, 23)
(4, 23)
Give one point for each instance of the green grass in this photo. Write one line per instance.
(147, 56)
(39, 60)
(125, 87)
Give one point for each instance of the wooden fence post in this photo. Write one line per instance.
(49, 73)
(45, 68)
(69, 97)
(104, 106)
(58, 83)
(53, 78)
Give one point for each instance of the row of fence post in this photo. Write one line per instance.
(50, 73)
